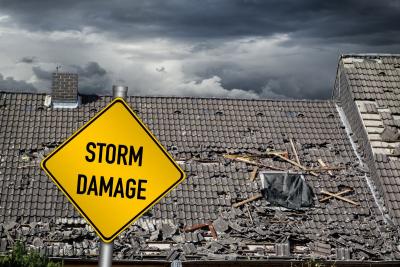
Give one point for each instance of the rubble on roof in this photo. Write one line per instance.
(198, 220)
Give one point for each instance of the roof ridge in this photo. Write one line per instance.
(368, 55)
(189, 97)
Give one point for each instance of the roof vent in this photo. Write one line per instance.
(64, 92)
(120, 91)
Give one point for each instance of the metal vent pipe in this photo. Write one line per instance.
(120, 91)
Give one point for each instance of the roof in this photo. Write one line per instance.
(199, 133)
(373, 83)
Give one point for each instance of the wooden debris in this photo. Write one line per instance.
(324, 165)
(253, 174)
(339, 197)
(212, 230)
(295, 164)
(195, 227)
(253, 198)
(323, 169)
(247, 160)
(248, 212)
(337, 194)
(294, 151)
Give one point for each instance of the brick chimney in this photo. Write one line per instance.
(65, 90)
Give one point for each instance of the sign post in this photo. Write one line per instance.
(112, 170)
(105, 254)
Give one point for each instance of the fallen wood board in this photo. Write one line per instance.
(322, 169)
(294, 151)
(337, 194)
(295, 164)
(253, 174)
(253, 198)
(339, 197)
(323, 165)
(195, 227)
(249, 213)
(213, 232)
(246, 160)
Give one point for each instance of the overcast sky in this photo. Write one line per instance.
(217, 48)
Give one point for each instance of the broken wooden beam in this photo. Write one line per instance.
(295, 164)
(323, 169)
(195, 227)
(339, 197)
(212, 230)
(249, 213)
(253, 174)
(336, 194)
(323, 165)
(294, 151)
(248, 161)
(250, 199)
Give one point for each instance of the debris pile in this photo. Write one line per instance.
(222, 210)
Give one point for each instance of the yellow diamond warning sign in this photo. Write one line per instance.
(113, 169)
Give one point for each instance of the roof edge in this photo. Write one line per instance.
(188, 97)
(368, 55)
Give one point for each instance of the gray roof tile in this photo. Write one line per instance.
(379, 77)
(211, 188)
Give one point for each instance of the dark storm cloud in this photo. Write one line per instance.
(317, 33)
(28, 60)
(42, 74)
(363, 21)
(92, 77)
(10, 84)
(90, 70)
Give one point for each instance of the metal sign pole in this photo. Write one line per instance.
(106, 254)
(106, 249)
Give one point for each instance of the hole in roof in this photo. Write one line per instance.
(219, 113)
(136, 111)
(40, 108)
(93, 110)
(177, 112)
(382, 73)
(330, 115)
(260, 114)
(300, 115)
(396, 66)
(342, 187)
(289, 190)
(221, 193)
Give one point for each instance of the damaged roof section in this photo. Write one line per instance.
(368, 88)
(217, 212)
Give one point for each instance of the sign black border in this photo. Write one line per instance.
(117, 100)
